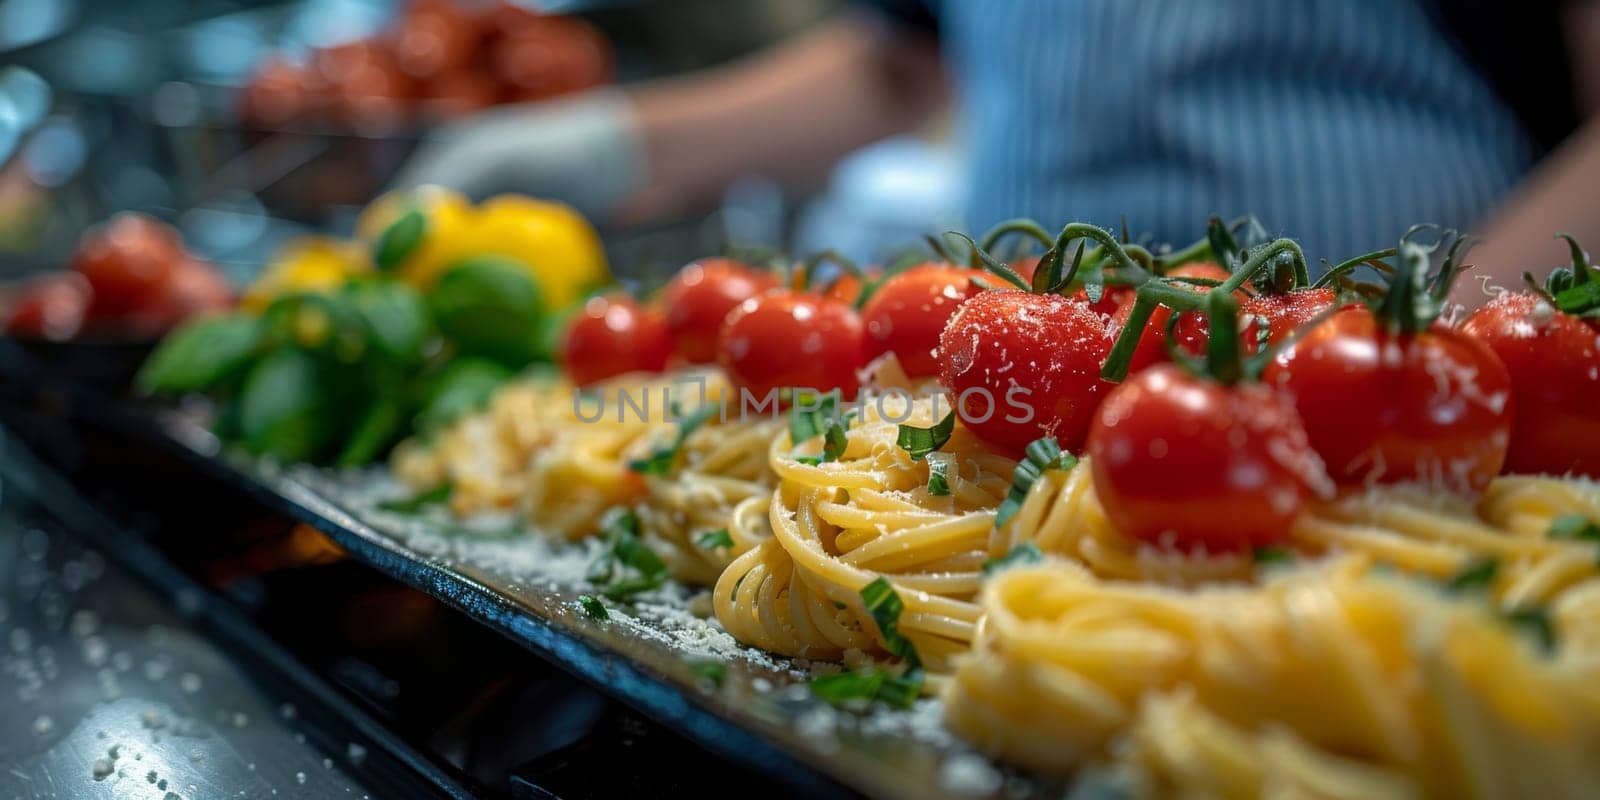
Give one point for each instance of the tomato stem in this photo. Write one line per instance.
(1336, 271)
(808, 269)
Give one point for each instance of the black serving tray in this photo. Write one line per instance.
(650, 655)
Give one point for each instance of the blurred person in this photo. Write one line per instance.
(1339, 122)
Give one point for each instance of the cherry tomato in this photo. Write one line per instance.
(552, 56)
(908, 312)
(697, 301)
(435, 36)
(1388, 407)
(50, 307)
(847, 288)
(1111, 301)
(278, 94)
(458, 92)
(614, 335)
(1283, 314)
(193, 287)
(790, 339)
(1022, 366)
(1191, 332)
(1189, 464)
(126, 261)
(1554, 363)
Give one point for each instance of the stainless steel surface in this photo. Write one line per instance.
(107, 694)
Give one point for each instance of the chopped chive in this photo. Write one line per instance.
(593, 607)
(939, 477)
(919, 442)
(713, 540)
(1477, 574)
(1573, 526)
(1534, 620)
(415, 503)
(1025, 553)
(867, 685)
(712, 673)
(1273, 555)
(660, 461)
(1040, 456)
(627, 567)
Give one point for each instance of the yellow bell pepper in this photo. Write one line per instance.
(448, 214)
(309, 263)
(557, 246)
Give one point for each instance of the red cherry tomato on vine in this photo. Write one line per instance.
(1554, 363)
(50, 307)
(1191, 333)
(193, 287)
(908, 312)
(787, 339)
(614, 335)
(126, 262)
(1021, 366)
(1283, 314)
(1388, 407)
(1192, 465)
(1112, 299)
(698, 299)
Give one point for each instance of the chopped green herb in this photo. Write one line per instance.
(627, 567)
(919, 442)
(939, 477)
(867, 685)
(712, 673)
(1042, 455)
(885, 606)
(834, 440)
(1534, 620)
(807, 418)
(807, 422)
(1273, 555)
(1478, 574)
(415, 503)
(1573, 526)
(660, 461)
(1025, 553)
(713, 540)
(593, 607)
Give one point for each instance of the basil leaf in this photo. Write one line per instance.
(885, 606)
(939, 477)
(400, 239)
(375, 429)
(1573, 526)
(200, 354)
(919, 442)
(1025, 553)
(714, 540)
(1040, 456)
(1477, 574)
(592, 606)
(660, 461)
(413, 504)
